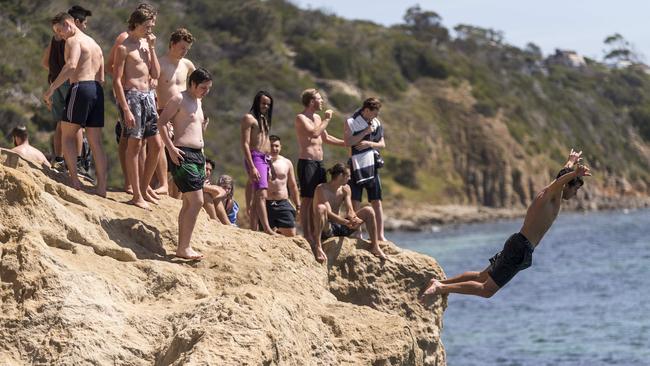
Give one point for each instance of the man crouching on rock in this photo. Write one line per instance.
(517, 253)
(186, 152)
(328, 198)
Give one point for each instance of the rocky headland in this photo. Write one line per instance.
(90, 280)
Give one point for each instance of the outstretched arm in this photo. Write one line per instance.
(329, 139)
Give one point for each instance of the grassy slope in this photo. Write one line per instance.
(455, 109)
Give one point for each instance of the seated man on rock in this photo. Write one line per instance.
(327, 222)
(214, 196)
(24, 149)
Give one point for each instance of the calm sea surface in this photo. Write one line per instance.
(584, 301)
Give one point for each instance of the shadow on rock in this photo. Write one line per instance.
(144, 240)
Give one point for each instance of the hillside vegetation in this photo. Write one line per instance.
(468, 118)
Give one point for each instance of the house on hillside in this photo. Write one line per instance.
(567, 58)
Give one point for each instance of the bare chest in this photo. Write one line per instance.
(173, 75)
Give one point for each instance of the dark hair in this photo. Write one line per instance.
(19, 132)
(337, 169)
(147, 7)
(181, 34)
(199, 76)
(573, 182)
(79, 13)
(371, 103)
(307, 96)
(265, 121)
(211, 162)
(60, 18)
(139, 16)
(274, 138)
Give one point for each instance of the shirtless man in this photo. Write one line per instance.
(254, 138)
(186, 153)
(110, 62)
(84, 67)
(328, 198)
(517, 253)
(311, 134)
(174, 70)
(135, 65)
(24, 149)
(53, 60)
(282, 216)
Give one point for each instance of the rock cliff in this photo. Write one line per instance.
(87, 280)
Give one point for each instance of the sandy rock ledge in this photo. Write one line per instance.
(88, 280)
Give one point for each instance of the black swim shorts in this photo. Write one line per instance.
(337, 229)
(84, 104)
(281, 214)
(372, 186)
(517, 255)
(311, 173)
(189, 176)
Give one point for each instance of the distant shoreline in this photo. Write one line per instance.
(424, 217)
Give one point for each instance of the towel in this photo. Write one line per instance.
(362, 161)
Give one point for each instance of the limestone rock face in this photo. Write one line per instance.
(88, 280)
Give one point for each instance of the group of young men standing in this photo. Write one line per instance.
(271, 180)
(161, 129)
(144, 128)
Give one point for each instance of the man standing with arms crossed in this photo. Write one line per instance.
(84, 67)
(186, 153)
(282, 216)
(174, 70)
(311, 134)
(136, 64)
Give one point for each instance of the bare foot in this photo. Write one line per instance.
(432, 289)
(75, 183)
(128, 189)
(100, 192)
(377, 252)
(147, 197)
(152, 193)
(139, 203)
(321, 257)
(189, 254)
(163, 190)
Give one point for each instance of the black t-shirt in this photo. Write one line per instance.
(56, 60)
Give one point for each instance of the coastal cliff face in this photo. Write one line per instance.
(87, 280)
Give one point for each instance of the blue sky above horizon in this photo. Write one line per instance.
(579, 25)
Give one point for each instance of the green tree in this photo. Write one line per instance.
(425, 25)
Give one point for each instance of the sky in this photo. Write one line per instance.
(579, 25)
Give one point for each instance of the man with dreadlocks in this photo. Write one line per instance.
(255, 145)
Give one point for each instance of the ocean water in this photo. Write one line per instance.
(584, 301)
